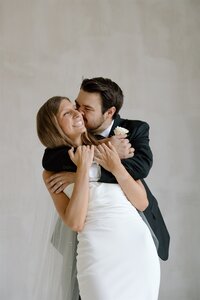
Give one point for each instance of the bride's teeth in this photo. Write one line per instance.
(79, 123)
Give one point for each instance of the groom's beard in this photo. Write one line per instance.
(94, 125)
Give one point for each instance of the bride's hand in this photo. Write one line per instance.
(83, 157)
(107, 156)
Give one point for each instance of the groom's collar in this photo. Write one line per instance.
(110, 130)
(106, 132)
(116, 123)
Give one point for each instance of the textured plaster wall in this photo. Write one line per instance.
(151, 49)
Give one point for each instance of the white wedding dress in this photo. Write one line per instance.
(116, 255)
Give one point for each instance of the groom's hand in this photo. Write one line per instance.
(122, 146)
(57, 182)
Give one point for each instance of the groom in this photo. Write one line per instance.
(99, 101)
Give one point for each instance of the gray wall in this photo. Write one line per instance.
(151, 49)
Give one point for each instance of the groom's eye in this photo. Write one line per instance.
(88, 108)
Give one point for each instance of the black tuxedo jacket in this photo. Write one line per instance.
(138, 166)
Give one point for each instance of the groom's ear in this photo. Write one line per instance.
(110, 112)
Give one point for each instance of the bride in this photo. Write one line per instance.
(115, 256)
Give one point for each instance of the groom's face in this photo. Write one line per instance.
(89, 104)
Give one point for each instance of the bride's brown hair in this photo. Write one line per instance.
(49, 131)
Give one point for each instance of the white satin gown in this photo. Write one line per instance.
(116, 255)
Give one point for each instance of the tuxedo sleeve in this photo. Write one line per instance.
(139, 165)
(57, 160)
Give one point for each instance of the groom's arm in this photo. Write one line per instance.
(140, 164)
(57, 159)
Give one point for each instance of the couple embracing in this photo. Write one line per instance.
(95, 164)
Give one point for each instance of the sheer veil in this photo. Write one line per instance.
(57, 278)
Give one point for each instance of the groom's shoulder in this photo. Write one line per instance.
(133, 123)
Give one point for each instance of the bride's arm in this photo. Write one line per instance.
(73, 211)
(109, 159)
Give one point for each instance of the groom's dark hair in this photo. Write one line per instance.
(111, 93)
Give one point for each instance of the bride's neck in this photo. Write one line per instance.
(77, 142)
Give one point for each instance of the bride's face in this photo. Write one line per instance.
(70, 120)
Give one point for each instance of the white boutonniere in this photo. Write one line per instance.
(120, 130)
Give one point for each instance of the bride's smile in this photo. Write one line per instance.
(70, 120)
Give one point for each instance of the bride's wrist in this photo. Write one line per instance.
(118, 170)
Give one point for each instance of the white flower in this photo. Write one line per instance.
(120, 130)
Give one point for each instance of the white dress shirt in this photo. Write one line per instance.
(95, 169)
